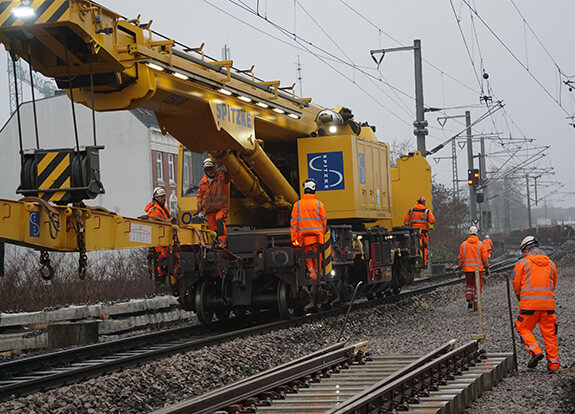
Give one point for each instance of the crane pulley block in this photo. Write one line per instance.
(61, 176)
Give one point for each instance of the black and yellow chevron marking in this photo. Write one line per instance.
(53, 173)
(47, 11)
(327, 257)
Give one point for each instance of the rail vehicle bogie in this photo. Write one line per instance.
(261, 271)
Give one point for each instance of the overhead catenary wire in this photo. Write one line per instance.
(394, 90)
(305, 44)
(401, 44)
(498, 38)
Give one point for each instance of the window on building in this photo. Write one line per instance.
(171, 174)
(159, 167)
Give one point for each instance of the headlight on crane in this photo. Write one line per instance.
(24, 9)
(328, 119)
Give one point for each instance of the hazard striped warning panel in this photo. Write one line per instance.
(53, 173)
(45, 11)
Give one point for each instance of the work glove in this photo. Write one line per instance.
(200, 214)
(459, 272)
(486, 272)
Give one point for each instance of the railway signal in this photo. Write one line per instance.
(473, 177)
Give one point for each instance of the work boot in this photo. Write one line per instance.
(534, 360)
(469, 304)
(553, 368)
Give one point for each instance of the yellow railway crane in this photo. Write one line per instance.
(269, 139)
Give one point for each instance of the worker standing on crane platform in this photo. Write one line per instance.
(308, 226)
(421, 217)
(157, 208)
(214, 199)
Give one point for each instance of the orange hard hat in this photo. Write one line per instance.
(421, 200)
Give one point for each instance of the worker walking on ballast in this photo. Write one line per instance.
(421, 217)
(472, 254)
(534, 282)
(214, 199)
(308, 226)
(489, 243)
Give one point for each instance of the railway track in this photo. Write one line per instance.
(51, 370)
(346, 379)
(55, 369)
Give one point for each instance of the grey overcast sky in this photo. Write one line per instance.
(526, 47)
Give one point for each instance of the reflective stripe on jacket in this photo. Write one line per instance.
(155, 209)
(214, 194)
(308, 221)
(419, 216)
(473, 253)
(534, 281)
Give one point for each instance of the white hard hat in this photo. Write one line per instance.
(472, 230)
(208, 163)
(310, 184)
(528, 242)
(159, 191)
(487, 236)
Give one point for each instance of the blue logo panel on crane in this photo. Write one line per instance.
(327, 169)
(34, 223)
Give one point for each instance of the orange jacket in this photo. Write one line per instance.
(489, 244)
(155, 209)
(473, 253)
(419, 216)
(308, 221)
(214, 193)
(534, 281)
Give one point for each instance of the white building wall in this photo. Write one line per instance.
(125, 162)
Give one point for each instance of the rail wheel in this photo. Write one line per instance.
(286, 311)
(203, 310)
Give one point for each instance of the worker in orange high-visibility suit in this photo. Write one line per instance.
(534, 282)
(472, 254)
(489, 243)
(308, 226)
(214, 199)
(421, 217)
(157, 208)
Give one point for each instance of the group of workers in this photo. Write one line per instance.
(535, 275)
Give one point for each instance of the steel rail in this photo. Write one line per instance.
(424, 375)
(285, 376)
(95, 360)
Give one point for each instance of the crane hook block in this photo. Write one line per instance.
(61, 176)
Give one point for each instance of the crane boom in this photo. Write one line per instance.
(206, 104)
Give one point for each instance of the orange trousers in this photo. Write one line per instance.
(311, 262)
(470, 288)
(547, 321)
(217, 223)
(162, 253)
(425, 246)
